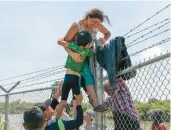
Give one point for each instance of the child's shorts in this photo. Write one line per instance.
(88, 76)
(70, 82)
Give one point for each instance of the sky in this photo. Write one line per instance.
(29, 31)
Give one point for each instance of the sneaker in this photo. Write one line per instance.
(100, 108)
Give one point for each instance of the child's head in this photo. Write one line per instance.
(34, 119)
(156, 116)
(83, 38)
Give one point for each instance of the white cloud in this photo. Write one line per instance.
(151, 52)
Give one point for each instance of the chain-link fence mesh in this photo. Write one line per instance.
(149, 90)
(151, 95)
(19, 102)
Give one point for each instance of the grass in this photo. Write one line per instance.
(147, 125)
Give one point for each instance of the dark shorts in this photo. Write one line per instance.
(70, 82)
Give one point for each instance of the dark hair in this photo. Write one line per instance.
(83, 38)
(156, 116)
(97, 13)
(33, 118)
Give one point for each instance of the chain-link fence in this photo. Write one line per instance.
(149, 91)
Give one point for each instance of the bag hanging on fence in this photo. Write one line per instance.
(123, 59)
(114, 57)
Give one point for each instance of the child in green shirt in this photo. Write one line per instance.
(74, 69)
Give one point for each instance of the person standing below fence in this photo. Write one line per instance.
(121, 105)
(34, 119)
(158, 123)
(49, 106)
(92, 22)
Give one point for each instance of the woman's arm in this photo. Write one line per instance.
(70, 36)
(71, 33)
(105, 32)
(62, 43)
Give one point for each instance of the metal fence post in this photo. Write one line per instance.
(99, 90)
(6, 127)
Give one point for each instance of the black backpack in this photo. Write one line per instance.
(123, 59)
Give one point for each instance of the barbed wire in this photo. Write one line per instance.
(147, 38)
(156, 44)
(147, 19)
(48, 81)
(31, 73)
(148, 33)
(45, 76)
(147, 28)
(32, 77)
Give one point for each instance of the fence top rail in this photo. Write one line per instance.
(26, 91)
(156, 59)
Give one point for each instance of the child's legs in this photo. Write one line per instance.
(92, 94)
(83, 84)
(75, 91)
(76, 87)
(74, 106)
(89, 82)
(65, 91)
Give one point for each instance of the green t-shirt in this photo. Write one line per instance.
(70, 63)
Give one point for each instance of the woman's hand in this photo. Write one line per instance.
(76, 57)
(105, 32)
(106, 85)
(102, 41)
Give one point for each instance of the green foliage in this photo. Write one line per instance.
(143, 109)
(86, 106)
(15, 107)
